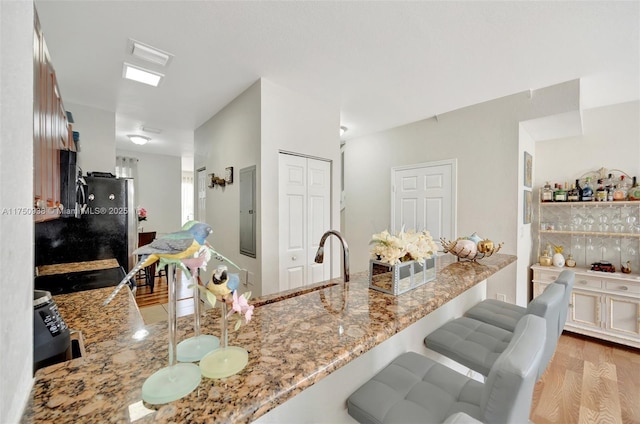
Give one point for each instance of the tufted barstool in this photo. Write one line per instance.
(477, 345)
(506, 315)
(416, 389)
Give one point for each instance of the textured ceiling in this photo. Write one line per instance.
(382, 64)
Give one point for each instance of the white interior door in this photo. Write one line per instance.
(423, 198)
(304, 196)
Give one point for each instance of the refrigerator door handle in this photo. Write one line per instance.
(81, 199)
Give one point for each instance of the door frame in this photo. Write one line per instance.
(454, 191)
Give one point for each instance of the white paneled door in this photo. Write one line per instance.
(423, 198)
(304, 193)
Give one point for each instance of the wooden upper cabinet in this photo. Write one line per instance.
(51, 131)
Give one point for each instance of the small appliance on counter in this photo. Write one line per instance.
(51, 337)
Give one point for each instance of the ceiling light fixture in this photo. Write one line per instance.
(343, 130)
(138, 139)
(148, 53)
(142, 75)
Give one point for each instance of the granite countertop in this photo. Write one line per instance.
(293, 341)
(76, 267)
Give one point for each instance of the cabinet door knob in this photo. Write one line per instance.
(624, 288)
(293, 258)
(582, 282)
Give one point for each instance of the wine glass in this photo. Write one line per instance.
(589, 220)
(602, 248)
(576, 221)
(616, 222)
(578, 249)
(603, 221)
(631, 222)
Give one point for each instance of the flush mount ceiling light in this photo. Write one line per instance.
(142, 75)
(148, 53)
(138, 139)
(343, 130)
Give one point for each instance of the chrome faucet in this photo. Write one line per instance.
(345, 252)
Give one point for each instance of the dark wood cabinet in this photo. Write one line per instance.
(51, 132)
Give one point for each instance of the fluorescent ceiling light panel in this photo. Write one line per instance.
(142, 75)
(148, 53)
(151, 130)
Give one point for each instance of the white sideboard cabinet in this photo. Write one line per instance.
(603, 304)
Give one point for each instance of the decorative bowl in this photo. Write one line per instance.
(461, 249)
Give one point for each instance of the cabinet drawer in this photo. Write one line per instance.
(545, 276)
(622, 287)
(590, 282)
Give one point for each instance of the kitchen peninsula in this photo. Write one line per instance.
(297, 341)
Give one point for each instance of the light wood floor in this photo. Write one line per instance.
(153, 306)
(587, 381)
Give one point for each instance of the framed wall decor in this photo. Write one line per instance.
(228, 174)
(527, 211)
(528, 169)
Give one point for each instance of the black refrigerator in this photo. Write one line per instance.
(106, 228)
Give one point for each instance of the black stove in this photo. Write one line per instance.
(79, 281)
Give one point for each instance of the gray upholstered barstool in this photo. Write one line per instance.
(416, 389)
(506, 315)
(477, 345)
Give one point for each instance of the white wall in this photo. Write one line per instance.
(16, 191)
(296, 123)
(252, 130)
(97, 143)
(231, 138)
(611, 140)
(159, 190)
(484, 139)
(525, 237)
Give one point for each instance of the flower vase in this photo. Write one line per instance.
(178, 379)
(194, 348)
(226, 360)
(558, 260)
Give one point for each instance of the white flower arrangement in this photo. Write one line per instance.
(403, 247)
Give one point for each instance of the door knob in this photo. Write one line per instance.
(293, 258)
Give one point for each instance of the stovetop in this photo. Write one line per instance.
(79, 281)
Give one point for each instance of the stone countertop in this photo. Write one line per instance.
(76, 267)
(293, 341)
(83, 311)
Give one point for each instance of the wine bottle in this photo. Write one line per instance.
(560, 195)
(634, 191)
(587, 191)
(609, 186)
(620, 192)
(601, 192)
(573, 194)
(546, 193)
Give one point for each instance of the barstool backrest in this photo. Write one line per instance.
(508, 390)
(549, 306)
(566, 279)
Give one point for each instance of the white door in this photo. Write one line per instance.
(424, 198)
(304, 193)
